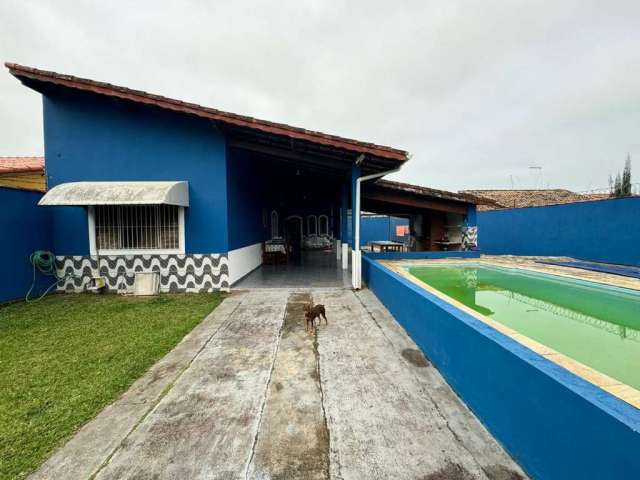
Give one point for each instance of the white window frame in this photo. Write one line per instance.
(93, 250)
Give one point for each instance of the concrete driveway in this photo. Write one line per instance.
(250, 394)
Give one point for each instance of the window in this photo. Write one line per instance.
(312, 225)
(323, 225)
(137, 228)
(274, 224)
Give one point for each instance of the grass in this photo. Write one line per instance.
(65, 358)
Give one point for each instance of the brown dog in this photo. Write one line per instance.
(312, 312)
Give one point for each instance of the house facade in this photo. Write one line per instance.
(139, 182)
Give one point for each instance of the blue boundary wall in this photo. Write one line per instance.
(381, 227)
(25, 228)
(603, 231)
(555, 424)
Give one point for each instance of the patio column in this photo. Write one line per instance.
(344, 229)
(355, 227)
(470, 229)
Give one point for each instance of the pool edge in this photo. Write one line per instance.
(618, 389)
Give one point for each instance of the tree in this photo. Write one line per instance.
(621, 186)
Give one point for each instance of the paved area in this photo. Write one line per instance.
(314, 269)
(250, 394)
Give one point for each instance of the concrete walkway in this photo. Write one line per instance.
(250, 394)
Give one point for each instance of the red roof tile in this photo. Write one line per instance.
(102, 88)
(532, 197)
(21, 164)
(432, 192)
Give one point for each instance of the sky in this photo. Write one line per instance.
(477, 91)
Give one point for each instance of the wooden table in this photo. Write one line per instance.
(387, 246)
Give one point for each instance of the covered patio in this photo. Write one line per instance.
(295, 198)
(311, 269)
(302, 201)
(438, 220)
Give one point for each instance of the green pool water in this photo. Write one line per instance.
(597, 325)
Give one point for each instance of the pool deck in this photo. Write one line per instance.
(611, 385)
(249, 393)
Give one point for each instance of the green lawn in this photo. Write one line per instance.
(66, 357)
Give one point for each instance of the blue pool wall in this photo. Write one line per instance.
(25, 228)
(603, 231)
(554, 424)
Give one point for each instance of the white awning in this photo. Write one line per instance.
(118, 193)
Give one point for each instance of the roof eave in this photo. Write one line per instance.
(22, 72)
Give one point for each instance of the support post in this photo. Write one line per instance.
(356, 181)
(345, 256)
(344, 229)
(355, 222)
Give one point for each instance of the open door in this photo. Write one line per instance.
(293, 233)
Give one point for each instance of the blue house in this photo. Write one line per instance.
(140, 182)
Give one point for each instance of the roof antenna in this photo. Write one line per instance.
(539, 169)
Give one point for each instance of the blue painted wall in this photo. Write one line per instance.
(471, 219)
(381, 227)
(604, 231)
(248, 199)
(556, 425)
(93, 138)
(25, 228)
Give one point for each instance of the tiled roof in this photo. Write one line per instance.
(23, 72)
(532, 198)
(21, 164)
(432, 192)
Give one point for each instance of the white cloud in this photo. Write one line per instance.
(477, 91)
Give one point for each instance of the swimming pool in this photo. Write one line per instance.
(594, 324)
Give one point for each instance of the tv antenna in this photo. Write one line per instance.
(537, 169)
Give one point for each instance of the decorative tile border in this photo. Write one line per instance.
(178, 273)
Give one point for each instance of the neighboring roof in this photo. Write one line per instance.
(118, 193)
(532, 197)
(23, 72)
(11, 165)
(432, 192)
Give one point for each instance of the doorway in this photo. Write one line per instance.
(293, 233)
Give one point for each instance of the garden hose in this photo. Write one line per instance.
(45, 262)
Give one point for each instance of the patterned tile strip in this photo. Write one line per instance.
(178, 273)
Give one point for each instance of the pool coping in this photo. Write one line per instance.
(612, 386)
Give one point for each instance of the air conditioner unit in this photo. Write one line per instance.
(146, 283)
